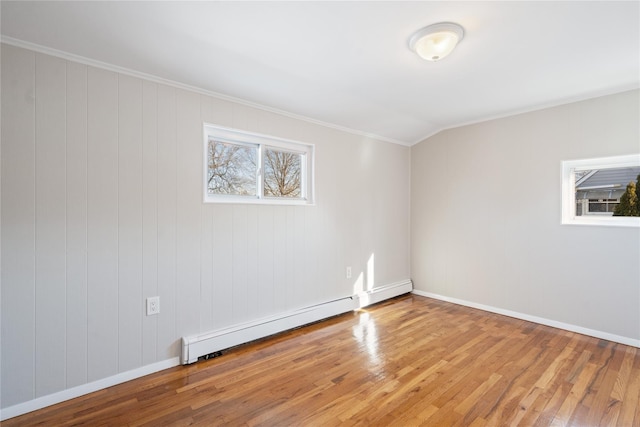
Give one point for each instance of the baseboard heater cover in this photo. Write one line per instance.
(199, 345)
(382, 293)
(195, 346)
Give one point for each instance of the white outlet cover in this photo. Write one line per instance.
(153, 305)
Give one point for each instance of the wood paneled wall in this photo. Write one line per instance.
(102, 207)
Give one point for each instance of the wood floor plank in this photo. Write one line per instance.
(564, 413)
(405, 362)
(629, 408)
(601, 407)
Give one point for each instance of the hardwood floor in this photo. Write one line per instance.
(408, 361)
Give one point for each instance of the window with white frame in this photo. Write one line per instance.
(245, 167)
(602, 191)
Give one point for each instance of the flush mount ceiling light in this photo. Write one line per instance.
(436, 41)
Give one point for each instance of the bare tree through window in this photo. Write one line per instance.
(282, 177)
(231, 168)
(245, 167)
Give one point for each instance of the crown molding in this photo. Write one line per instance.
(156, 79)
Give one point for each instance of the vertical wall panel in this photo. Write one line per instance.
(222, 265)
(309, 272)
(207, 322)
(18, 225)
(189, 159)
(50, 224)
(265, 261)
(102, 227)
(130, 170)
(300, 286)
(245, 118)
(253, 212)
(206, 269)
(290, 295)
(149, 216)
(167, 194)
(239, 254)
(206, 109)
(222, 112)
(279, 257)
(76, 313)
(206, 243)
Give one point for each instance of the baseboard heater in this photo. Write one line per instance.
(195, 346)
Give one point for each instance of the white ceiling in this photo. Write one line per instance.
(348, 63)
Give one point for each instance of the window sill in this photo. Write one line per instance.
(257, 201)
(607, 221)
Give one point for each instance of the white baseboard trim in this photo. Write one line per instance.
(81, 390)
(228, 338)
(535, 319)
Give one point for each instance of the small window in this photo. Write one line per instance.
(602, 191)
(243, 167)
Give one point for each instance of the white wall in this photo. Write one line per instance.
(486, 216)
(102, 207)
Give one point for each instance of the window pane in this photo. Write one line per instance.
(231, 168)
(597, 207)
(282, 174)
(603, 189)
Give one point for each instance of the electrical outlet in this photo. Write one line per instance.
(153, 305)
(348, 273)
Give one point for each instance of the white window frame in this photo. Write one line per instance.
(240, 137)
(569, 168)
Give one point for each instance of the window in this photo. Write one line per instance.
(601, 191)
(243, 167)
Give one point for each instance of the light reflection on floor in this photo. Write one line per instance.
(366, 334)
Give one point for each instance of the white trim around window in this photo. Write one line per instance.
(239, 168)
(569, 170)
